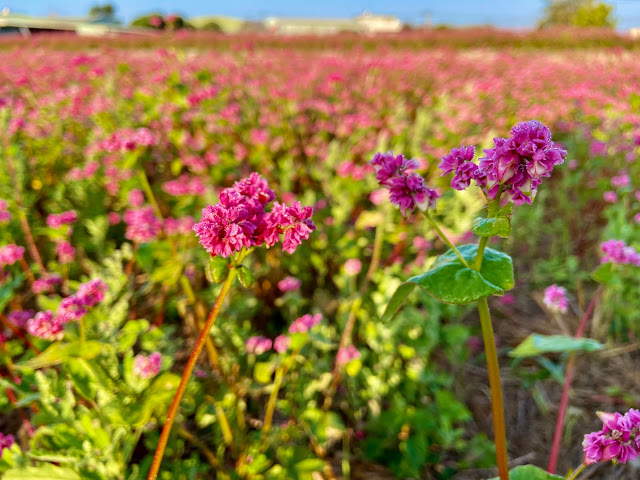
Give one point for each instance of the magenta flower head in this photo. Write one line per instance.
(147, 366)
(19, 318)
(10, 254)
(5, 216)
(555, 298)
(136, 198)
(352, 267)
(91, 293)
(617, 252)
(70, 309)
(142, 224)
(516, 165)
(240, 220)
(407, 189)
(345, 355)
(258, 345)
(57, 220)
(281, 343)
(45, 284)
(460, 161)
(45, 325)
(6, 441)
(289, 284)
(618, 440)
(66, 253)
(305, 323)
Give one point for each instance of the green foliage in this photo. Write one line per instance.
(530, 472)
(578, 13)
(536, 344)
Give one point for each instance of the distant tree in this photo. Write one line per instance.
(106, 10)
(211, 26)
(154, 20)
(577, 13)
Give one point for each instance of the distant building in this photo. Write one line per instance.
(25, 25)
(365, 23)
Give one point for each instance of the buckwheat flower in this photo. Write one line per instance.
(45, 284)
(618, 440)
(142, 224)
(345, 355)
(136, 198)
(70, 309)
(636, 218)
(258, 345)
(66, 253)
(91, 293)
(57, 220)
(555, 298)
(147, 366)
(225, 230)
(178, 226)
(10, 254)
(305, 323)
(114, 218)
(289, 284)
(45, 325)
(617, 252)
(516, 165)
(20, 317)
(378, 196)
(621, 180)
(293, 221)
(460, 161)
(352, 267)
(5, 216)
(6, 441)
(610, 196)
(281, 343)
(255, 186)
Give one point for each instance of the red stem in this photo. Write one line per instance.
(186, 375)
(564, 401)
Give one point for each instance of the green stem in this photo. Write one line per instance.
(497, 407)
(83, 335)
(149, 193)
(480, 253)
(186, 375)
(576, 472)
(445, 239)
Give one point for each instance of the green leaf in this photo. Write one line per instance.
(397, 300)
(43, 472)
(530, 472)
(7, 289)
(604, 273)
(216, 269)
(262, 372)
(59, 352)
(488, 227)
(83, 377)
(245, 277)
(451, 282)
(536, 344)
(325, 426)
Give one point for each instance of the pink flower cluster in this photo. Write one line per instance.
(289, 284)
(57, 220)
(352, 267)
(555, 298)
(184, 185)
(616, 251)
(142, 224)
(179, 226)
(240, 220)
(128, 139)
(618, 440)
(48, 326)
(147, 366)
(305, 323)
(19, 318)
(345, 355)
(513, 168)
(10, 254)
(407, 189)
(5, 216)
(6, 441)
(258, 345)
(66, 252)
(45, 284)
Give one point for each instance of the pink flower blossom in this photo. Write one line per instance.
(281, 343)
(114, 218)
(147, 366)
(352, 267)
(610, 196)
(142, 224)
(136, 198)
(555, 298)
(289, 284)
(45, 325)
(91, 293)
(460, 161)
(6, 441)
(45, 284)
(20, 317)
(345, 355)
(258, 345)
(305, 323)
(5, 216)
(66, 253)
(57, 220)
(621, 180)
(617, 252)
(618, 440)
(10, 254)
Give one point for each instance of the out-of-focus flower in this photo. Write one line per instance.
(610, 196)
(352, 267)
(555, 298)
(147, 366)
(6, 441)
(345, 355)
(142, 224)
(258, 345)
(91, 293)
(57, 220)
(66, 253)
(281, 343)
(20, 317)
(45, 284)
(616, 251)
(289, 284)
(5, 216)
(305, 323)
(10, 254)
(621, 180)
(136, 198)
(114, 218)
(45, 325)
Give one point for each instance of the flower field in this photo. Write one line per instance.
(204, 271)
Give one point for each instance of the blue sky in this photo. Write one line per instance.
(508, 13)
